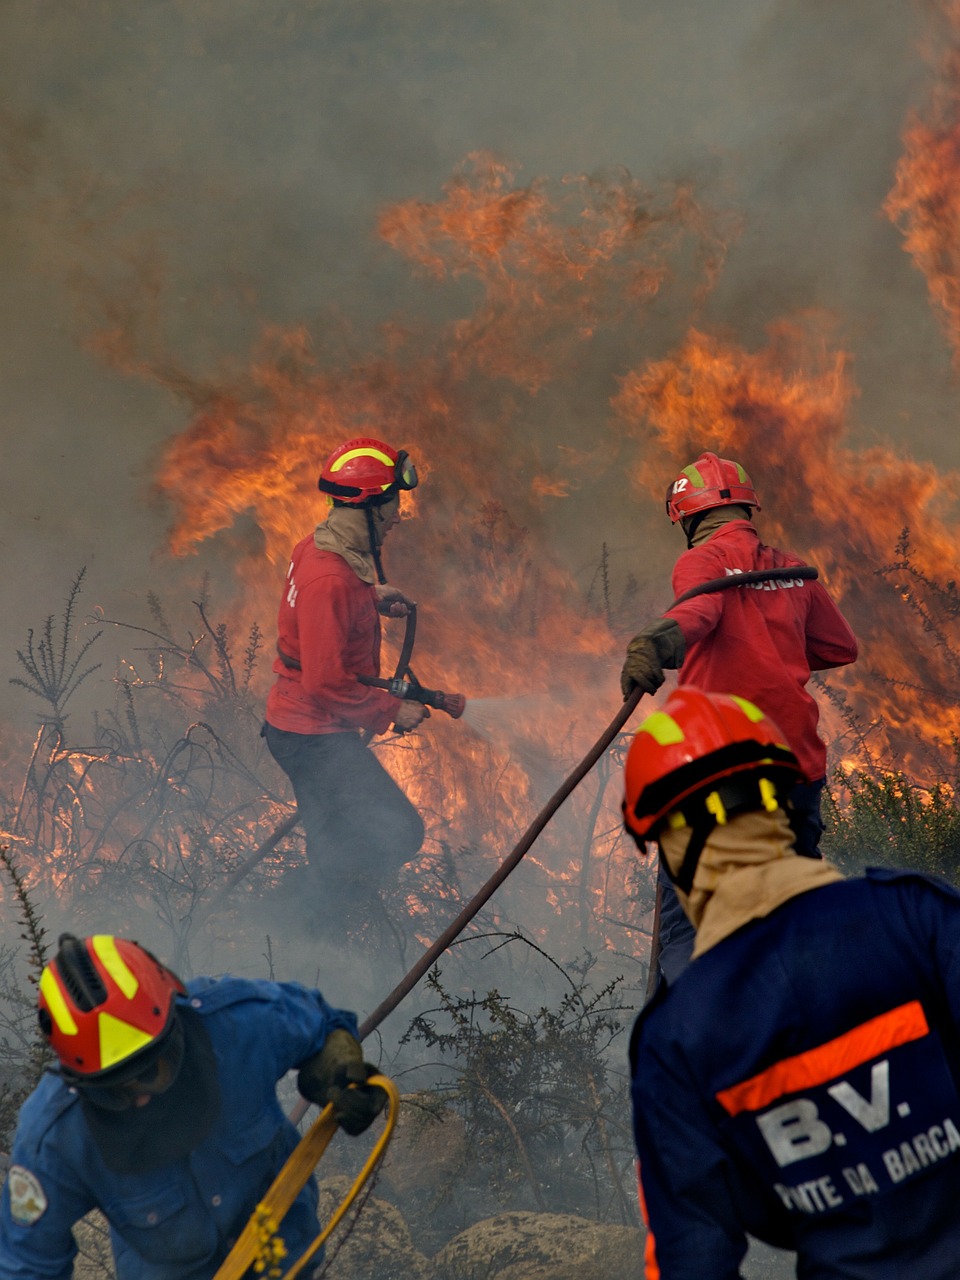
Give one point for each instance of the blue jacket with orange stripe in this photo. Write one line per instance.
(801, 1083)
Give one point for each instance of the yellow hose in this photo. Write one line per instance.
(255, 1243)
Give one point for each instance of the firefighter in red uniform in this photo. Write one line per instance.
(799, 1081)
(360, 827)
(762, 641)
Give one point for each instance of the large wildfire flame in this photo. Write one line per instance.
(783, 409)
(925, 200)
(500, 614)
(545, 292)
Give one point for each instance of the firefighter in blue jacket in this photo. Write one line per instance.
(799, 1081)
(163, 1114)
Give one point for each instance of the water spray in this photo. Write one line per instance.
(489, 716)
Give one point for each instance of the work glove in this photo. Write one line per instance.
(325, 1078)
(657, 647)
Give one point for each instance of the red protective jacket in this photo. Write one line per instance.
(762, 641)
(328, 622)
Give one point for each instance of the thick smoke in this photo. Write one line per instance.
(181, 176)
(225, 212)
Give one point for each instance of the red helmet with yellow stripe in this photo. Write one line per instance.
(366, 472)
(709, 482)
(681, 757)
(104, 1003)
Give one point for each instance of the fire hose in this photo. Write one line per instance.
(258, 1245)
(571, 782)
(258, 1239)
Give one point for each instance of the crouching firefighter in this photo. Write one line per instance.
(359, 826)
(162, 1112)
(799, 1081)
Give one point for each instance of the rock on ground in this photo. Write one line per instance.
(542, 1246)
(379, 1244)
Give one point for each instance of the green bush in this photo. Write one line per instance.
(888, 820)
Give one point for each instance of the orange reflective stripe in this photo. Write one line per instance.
(651, 1266)
(817, 1066)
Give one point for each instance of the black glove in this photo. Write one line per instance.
(326, 1077)
(658, 646)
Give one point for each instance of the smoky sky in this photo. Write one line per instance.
(200, 170)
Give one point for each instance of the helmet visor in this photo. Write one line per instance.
(150, 1072)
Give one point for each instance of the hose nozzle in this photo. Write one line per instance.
(411, 691)
(452, 703)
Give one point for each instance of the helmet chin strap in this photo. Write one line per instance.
(374, 547)
(699, 836)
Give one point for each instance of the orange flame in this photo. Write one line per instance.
(925, 200)
(782, 411)
(541, 284)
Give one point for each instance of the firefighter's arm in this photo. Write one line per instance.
(686, 1184)
(659, 646)
(701, 614)
(338, 1075)
(320, 1041)
(39, 1205)
(687, 1238)
(829, 639)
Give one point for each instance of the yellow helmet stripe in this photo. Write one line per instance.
(366, 452)
(752, 712)
(59, 1012)
(663, 729)
(106, 948)
(118, 1040)
(694, 476)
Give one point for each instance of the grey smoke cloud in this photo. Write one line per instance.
(191, 173)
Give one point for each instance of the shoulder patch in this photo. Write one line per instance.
(28, 1201)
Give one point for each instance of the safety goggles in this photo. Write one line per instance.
(405, 473)
(404, 478)
(118, 1090)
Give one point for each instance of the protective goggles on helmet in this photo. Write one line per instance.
(405, 472)
(152, 1072)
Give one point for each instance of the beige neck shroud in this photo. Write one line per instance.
(747, 869)
(346, 532)
(715, 518)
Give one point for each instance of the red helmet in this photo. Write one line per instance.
(366, 472)
(689, 747)
(709, 482)
(103, 1003)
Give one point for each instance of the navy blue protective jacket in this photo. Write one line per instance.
(800, 1082)
(177, 1222)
